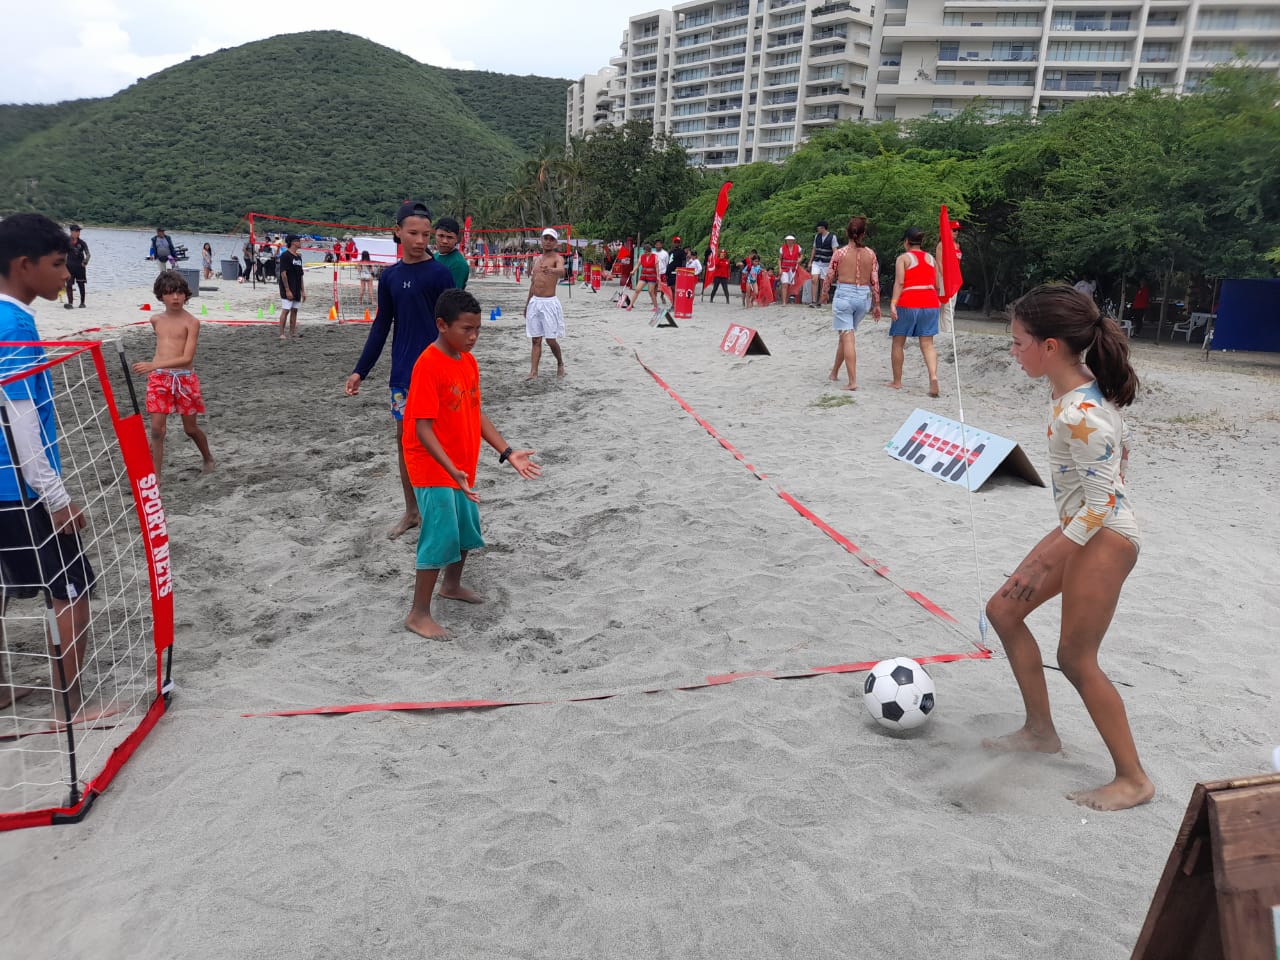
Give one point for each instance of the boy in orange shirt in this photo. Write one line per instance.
(443, 426)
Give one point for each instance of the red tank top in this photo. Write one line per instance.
(789, 256)
(649, 267)
(920, 283)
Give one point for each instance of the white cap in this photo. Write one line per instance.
(549, 232)
(788, 237)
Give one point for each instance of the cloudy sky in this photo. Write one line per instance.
(55, 50)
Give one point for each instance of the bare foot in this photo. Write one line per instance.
(407, 522)
(833, 377)
(283, 337)
(894, 384)
(532, 376)
(850, 386)
(1023, 740)
(460, 593)
(933, 388)
(208, 466)
(1119, 794)
(425, 626)
(560, 370)
(12, 693)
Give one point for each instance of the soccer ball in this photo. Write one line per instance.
(898, 693)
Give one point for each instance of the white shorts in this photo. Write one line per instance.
(290, 304)
(788, 277)
(544, 317)
(820, 269)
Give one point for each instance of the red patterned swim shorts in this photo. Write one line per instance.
(174, 391)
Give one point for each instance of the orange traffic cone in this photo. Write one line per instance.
(333, 312)
(367, 319)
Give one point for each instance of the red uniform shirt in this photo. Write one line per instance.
(789, 256)
(648, 268)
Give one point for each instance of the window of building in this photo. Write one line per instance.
(946, 51)
(1216, 20)
(1020, 19)
(1162, 18)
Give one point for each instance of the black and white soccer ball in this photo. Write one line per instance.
(899, 693)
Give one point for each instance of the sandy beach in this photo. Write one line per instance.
(762, 818)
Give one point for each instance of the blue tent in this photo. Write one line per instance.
(1248, 316)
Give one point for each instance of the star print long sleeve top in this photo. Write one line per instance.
(1088, 455)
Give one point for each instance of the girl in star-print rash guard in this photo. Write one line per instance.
(1059, 334)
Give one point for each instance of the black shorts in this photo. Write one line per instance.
(33, 559)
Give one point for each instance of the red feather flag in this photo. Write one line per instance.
(951, 277)
(722, 204)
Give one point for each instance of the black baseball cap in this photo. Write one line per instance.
(412, 208)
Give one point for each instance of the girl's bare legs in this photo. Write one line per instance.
(1090, 590)
(1090, 582)
(1008, 617)
(848, 345)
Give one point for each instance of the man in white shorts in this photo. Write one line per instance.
(824, 246)
(543, 315)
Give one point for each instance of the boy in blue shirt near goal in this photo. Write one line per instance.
(40, 548)
(407, 293)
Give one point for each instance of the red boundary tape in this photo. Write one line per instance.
(714, 680)
(851, 547)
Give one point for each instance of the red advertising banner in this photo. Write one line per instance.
(722, 204)
(951, 277)
(686, 284)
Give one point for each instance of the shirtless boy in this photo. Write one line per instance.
(543, 315)
(172, 384)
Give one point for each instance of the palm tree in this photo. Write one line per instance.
(460, 197)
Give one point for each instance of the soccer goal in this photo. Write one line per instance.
(336, 274)
(506, 253)
(85, 676)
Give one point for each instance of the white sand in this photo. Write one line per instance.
(764, 818)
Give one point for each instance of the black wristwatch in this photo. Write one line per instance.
(502, 457)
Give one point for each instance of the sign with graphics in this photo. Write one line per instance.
(957, 453)
(740, 341)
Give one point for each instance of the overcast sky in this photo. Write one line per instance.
(54, 50)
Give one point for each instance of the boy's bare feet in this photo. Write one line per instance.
(460, 593)
(532, 376)
(833, 377)
(560, 370)
(425, 626)
(933, 388)
(407, 522)
(894, 385)
(850, 386)
(1024, 740)
(208, 466)
(1119, 794)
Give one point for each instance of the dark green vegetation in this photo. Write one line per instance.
(322, 125)
(1122, 188)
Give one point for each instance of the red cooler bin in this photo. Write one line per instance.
(686, 282)
(595, 277)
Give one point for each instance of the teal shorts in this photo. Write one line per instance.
(450, 525)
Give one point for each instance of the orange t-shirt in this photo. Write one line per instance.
(446, 392)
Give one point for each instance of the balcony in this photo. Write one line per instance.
(721, 159)
(787, 40)
(735, 14)
(825, 115)
(725, 123)
(1088, 86)
(729, 69)
(734, 50)
(780, 99)
(832, 9)
(725, 106)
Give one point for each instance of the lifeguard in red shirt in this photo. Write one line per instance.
(788, 262)
(648, 277)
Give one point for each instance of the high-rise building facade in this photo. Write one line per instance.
(740, 80)
(1028, 56)
(734, 81)
(588, 103)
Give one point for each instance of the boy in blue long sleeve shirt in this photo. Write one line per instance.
(407, 292)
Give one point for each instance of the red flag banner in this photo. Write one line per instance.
(722, 204)
(466, 238)
(951, 277)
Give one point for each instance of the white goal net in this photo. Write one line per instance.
(86, 590)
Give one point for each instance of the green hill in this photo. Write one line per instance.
(322, 125)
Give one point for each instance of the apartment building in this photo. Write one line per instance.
(588, 103)
(1027, 56)
(740, 80)
(734, 81)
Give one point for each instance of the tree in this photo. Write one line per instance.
(631, 180)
